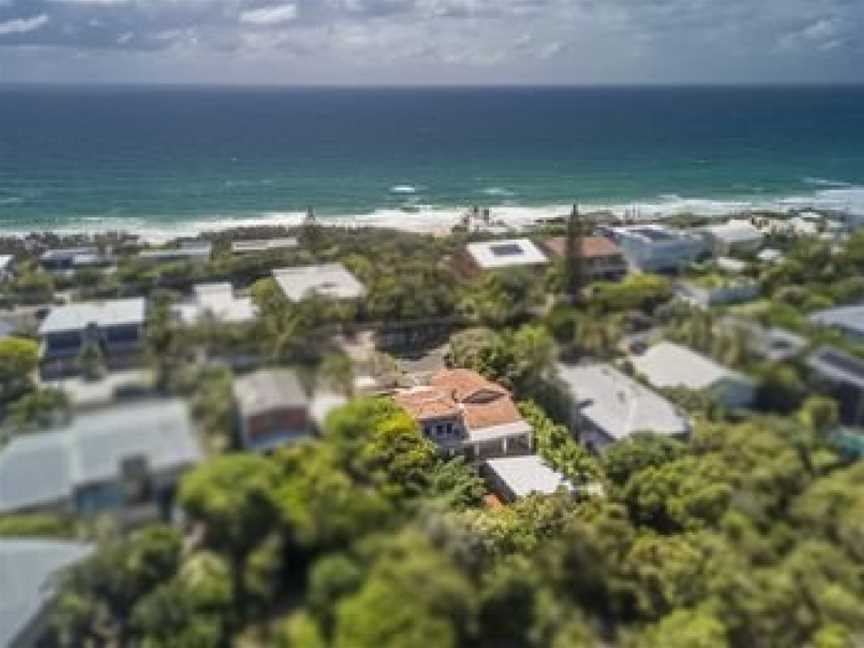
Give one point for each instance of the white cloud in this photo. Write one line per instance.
(23, 25)
(272, 15)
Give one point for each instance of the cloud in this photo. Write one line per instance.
(23, 25)
(272, 15)
(576, 41)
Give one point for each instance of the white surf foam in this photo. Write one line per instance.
(403, 190)
(425, 218)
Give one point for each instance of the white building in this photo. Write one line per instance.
(734, 237)
(722, 291)
(331, 280)
(501, 255)
(256, 246)
(7, 266)
(671, 365)
(849, 320)
(654, 248)
(515, 477)
(218, 301)
(608, 406)
(190, 251)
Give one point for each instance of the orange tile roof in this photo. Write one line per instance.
(592, 247)
(424, 403)
(464, 383)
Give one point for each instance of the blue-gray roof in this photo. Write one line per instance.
(26, 570)
(42, 469)
(847, 318)
(77, 317)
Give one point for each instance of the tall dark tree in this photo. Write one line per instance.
(574, 259)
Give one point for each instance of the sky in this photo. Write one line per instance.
(425, 42)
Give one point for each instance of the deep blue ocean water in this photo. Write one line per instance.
(160, 158)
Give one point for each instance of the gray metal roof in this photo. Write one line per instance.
(77, 317)
(847, 318)
(671, 365)
(26, 569)
(267, 390)
(45, 468)
(619, 405)
(837, 366)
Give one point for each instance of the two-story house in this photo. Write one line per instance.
(463, 413)
(273, 409)
(116, 327)
(602, 259)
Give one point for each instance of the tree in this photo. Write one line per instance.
(165, 343)
(96, 597)
(819, 413)
(18, 360)
(685, 629)
(91, 361)
(39, 409)
(574, 258)
(233, 498)
(637, 452)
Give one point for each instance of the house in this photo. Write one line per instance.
(28, 571)
(512, 478)
(841, 375)
(216, 301)
(125, 459)
(608, 406)
(462, 412)
(770, 256)
(69, 259)
(7, 267)
(669, 365)
(849, 320)
(257, 246)
(273, 409)
(602, 259)
(331, 280)
(500, 255)
(190, 251)
(115, 326)
(716, 290)
(772, 343)
(654, 248)
(736, 237)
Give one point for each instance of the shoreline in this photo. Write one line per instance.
(435, 220)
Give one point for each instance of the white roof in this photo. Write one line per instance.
(6, 261)
(331, 280)
(77, 317)
(498, 432)
(736, 231)
(267, 390)
(263, 245)
(847, 318)
(490, 255)
(45, 467)
(527, 475)
(218, 301)
(671, 365)
(26, 570)
(770, 255)
(731, 265)
(619, 405)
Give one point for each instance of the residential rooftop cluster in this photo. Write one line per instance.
(366, 371)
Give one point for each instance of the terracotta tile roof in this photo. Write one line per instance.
(464, 383)
(500, 411)
(424, 403)
(592, 247)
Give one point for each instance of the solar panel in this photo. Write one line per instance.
(506, 249)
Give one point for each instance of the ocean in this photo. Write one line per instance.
(165, 161)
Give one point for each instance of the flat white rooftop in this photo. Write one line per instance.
(526, 475)
(491, 255)
(331, 280)
(217, 300)
(263, 245)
